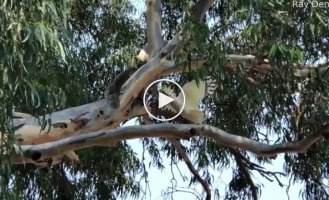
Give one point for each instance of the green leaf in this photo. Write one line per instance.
(283, 48)
(273, 50)
(61, 50)
(299, 54)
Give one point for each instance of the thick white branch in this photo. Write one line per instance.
(153, 29)
(93, 116)
(98, 115)
(106, 137)
(65, 123)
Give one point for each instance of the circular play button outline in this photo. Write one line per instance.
(180, 111)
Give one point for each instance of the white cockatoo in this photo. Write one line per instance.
(194, 93)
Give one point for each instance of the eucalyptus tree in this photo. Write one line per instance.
(63, 133)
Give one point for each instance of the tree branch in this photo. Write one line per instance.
(252, 63)
(157, 62)
(93, 116)
(245, 174)
(201, 7)
(178, 146)
(154, 20)
(107, 137)
(153, 29)
(96, 115)
(253, 166)
(99, 115)
(29, 131)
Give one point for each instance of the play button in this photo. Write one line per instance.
(159, 100)
(164, 100)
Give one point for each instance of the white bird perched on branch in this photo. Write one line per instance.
(194, 93)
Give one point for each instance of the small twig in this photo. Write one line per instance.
(183, 190)
(288, 188)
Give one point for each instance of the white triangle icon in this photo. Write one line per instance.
(164, 100)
